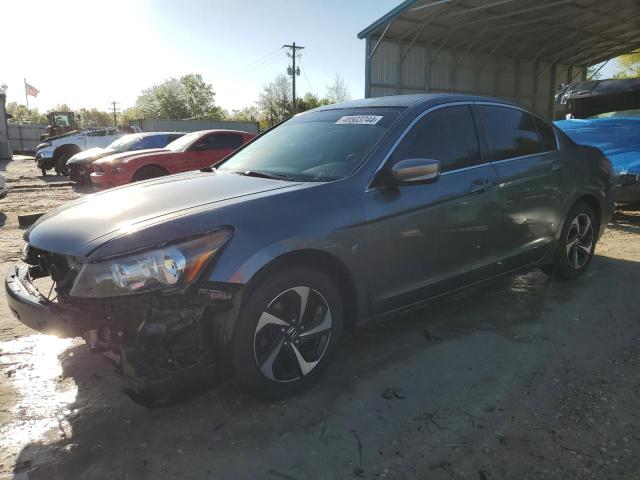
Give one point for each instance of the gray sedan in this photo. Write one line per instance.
(341, 214)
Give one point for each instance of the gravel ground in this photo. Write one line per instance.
(525, 379)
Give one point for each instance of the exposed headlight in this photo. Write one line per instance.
(43, 145)
(174, 266)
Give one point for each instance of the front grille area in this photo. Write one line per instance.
(61, 269)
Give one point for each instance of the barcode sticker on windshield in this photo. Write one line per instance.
(359, 120)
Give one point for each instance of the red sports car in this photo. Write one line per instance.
(191, 152)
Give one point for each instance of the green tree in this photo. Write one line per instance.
(61, 107)
(177, 98)
(338, 91)
(247, 114)
(629, 65)
(275, 101)
(311, 101)
(21, 114)
(95, 118)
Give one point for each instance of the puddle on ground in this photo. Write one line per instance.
(35, 397)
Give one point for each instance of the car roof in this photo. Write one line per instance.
(149, 134)
(223, 130)
(426, 99)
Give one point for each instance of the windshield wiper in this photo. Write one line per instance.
(259, 174)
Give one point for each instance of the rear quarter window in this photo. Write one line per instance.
(547, 135)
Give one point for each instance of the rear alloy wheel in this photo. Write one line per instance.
(287, 332)
(577, 243)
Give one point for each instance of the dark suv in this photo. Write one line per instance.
(338, 215)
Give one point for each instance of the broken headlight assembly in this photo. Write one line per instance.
(173, 266)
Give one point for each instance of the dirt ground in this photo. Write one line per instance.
(525, 379)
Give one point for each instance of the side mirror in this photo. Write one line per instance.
(415, 170)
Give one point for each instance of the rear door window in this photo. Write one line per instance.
(447, 135)
(224, 141)
(152, 141)
(509, 132)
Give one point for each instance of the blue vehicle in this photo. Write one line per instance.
(606, 121)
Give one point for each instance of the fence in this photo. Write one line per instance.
(24, 138)
(195, 125)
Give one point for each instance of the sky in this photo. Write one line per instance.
(88, 53)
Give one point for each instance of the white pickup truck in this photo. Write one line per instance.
(55, 151)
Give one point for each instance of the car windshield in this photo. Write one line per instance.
(182, 143)
(125, 143)
(315, 146)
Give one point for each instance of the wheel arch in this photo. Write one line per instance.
(595, 205)
(326, 263)
(67, 147)
(148, 165)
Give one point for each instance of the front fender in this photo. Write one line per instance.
(234, 266)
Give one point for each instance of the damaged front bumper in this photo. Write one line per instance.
(33, 309)
(166, 347)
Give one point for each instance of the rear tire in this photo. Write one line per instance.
(148, 172)
(576, 245)
(286, 333)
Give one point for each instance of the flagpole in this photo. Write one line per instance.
(26, 95)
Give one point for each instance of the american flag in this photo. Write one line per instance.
(31, 90)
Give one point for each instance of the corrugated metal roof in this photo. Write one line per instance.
(574, 32)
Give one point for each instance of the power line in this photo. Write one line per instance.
(266, 59)
(266, 55)
(270, 58)
(270, 62)
(308, 82)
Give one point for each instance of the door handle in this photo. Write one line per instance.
(481, 185)
(555, 165)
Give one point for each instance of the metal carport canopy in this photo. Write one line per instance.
(515, 49)
(574, 32)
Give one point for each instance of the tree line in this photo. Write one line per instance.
(190, 97)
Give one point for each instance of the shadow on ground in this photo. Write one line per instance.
(627, 220)
(106, 424)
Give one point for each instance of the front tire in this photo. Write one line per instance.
(61, 164)
(287, 332)
(148, 172)
(577, 244)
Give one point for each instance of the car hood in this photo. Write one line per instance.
(79, 227)
(87, 156)
(124, 156)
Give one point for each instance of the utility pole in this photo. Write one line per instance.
(293, 71)
(115, 114)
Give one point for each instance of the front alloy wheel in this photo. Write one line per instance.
(286, 332)
(292, 334)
